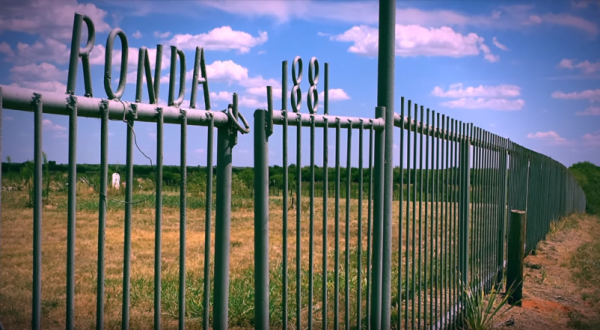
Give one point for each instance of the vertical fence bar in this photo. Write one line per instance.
(359, 234)
(207, 223)
(284, 313)
(127, 229)
(158, 220)
(452, 224)
(325, 197)
(414, 220)
(182, 218)
(261, 220)
(298, 223)
(378, 208)
(336, 307)
(446, 219)
(463, 238)
(438, 201)
(1, 110)
(347, 229)
(36, 310)
(71, 212)
(420, 241)
(408, 199)
(311, 223)
(401, 211)
(225, 142)
(427, 223)
(102, 215)
(369, 231)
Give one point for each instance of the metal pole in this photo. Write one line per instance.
(261, 222)
(182, 219)
(225, 143)
(102, 219)
(158, 219)
(37, 215)
(385, 99)
(376, 267)
(71, 212)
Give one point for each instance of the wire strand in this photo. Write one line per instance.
(86, 181)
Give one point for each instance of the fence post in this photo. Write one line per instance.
(385, 98)
(516, 254)
(465, 156)
(261, 222)
(226, 139)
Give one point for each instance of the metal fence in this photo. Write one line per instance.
(404, 258)
(456, 186)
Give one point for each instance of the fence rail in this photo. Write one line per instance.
(405, 258)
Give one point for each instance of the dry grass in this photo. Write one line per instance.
(16, 260)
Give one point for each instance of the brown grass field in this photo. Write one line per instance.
(17, 245)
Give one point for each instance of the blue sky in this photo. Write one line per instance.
(529, 71)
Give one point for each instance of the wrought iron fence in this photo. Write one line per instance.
(404, 257)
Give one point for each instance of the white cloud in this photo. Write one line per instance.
(361, 12)
(43, 77)
(161, 35)
(590, 94)
(335, 94)
(222, 38)
(584, 4)
(47, 50)
(48, 18)
(534, 19)
(550, 137)
(588, 67)
(565, 63)
(137, 34)
(243, 101)
(585, 67)
(49, 125)
(198, 151)
(8, 118)
(572, 21)
(591, 139)
(590, 111)
(33, 72)
(414, 40)
(457, 90)
(483, 103)
(6, 49)
(499, 45)
(49, 86)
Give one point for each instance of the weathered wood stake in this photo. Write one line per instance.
(516, 254)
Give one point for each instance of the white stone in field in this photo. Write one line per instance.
(116, 178)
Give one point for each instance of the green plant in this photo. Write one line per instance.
(480, 310)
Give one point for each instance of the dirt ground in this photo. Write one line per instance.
(551, 299)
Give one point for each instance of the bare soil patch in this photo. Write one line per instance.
(552, 299)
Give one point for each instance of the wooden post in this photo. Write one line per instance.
(516, 254)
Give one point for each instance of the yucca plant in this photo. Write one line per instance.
(481, 310)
